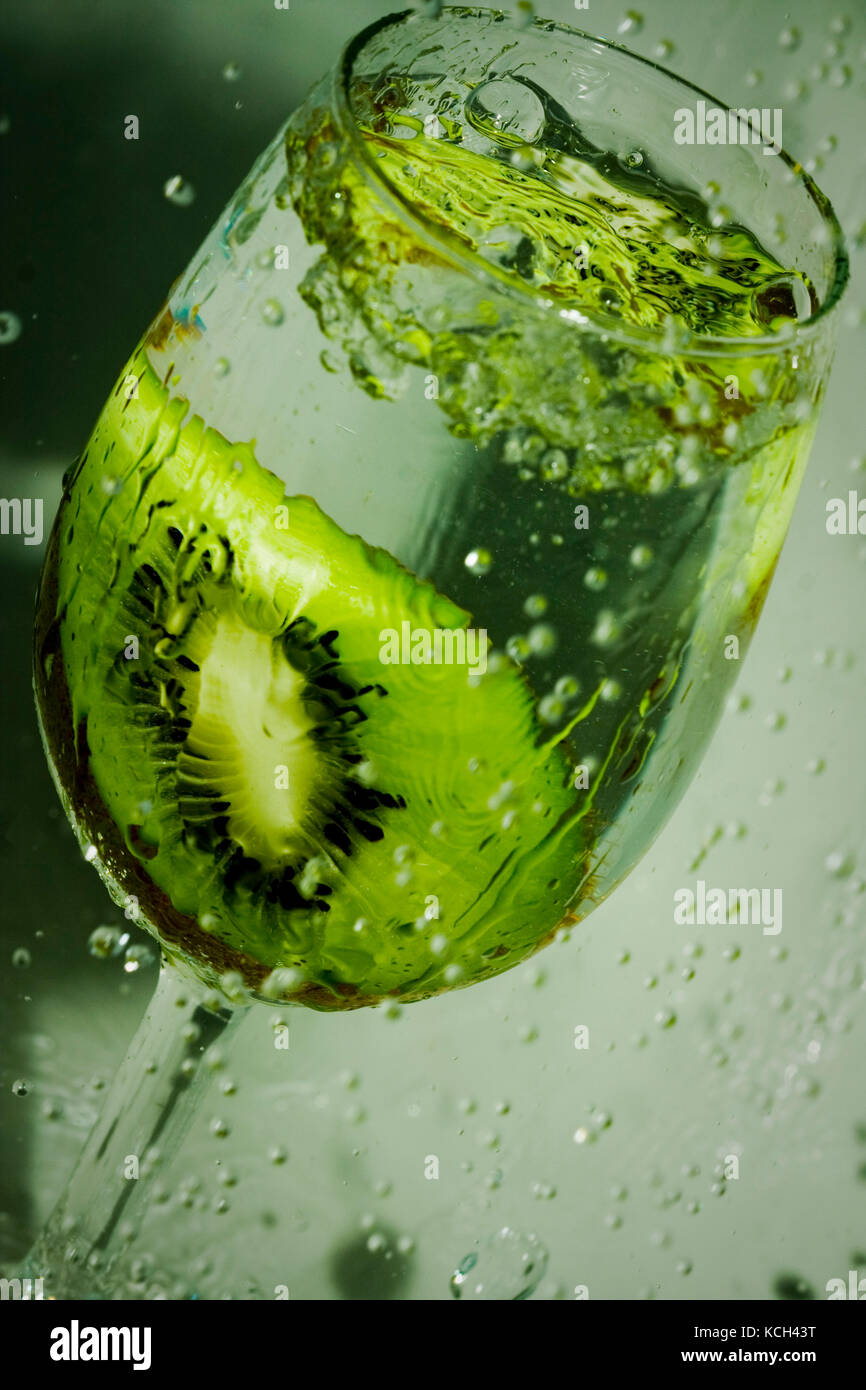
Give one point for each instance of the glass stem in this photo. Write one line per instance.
(147, 1112)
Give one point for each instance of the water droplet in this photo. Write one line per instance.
(104, 942)
(607, 629)
(839, 864)
(281, 983)
(535, 606)
(273, 312)
(21, 958)
(554, 465)
(136, 957)
(641, 557)
(542, 639)
(840, 76)
(663, 49)
(595, 579)
(543, 1191)
(20, 1087)
(231, 72)
(479, 562)
(790, 38)
(631, 23)
(506, 111)
(508, 1267)
(178, 191)
(524, 14)
(551, 709)
(10, 327)
(567, 687)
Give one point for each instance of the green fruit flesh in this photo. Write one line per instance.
(377, 829)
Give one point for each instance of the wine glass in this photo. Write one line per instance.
(397, 593)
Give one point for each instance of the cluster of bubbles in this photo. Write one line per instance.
(109, 943)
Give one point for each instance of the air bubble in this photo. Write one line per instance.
(508, 1267)
(136, 957)
(273, 312)
(280, 983)
(567, 687)
(10, 327)
(785, 296)
(21, 958)
(178, 191)
(104, 942)
(554, 466)
(535, 606)
(524, 14)
(790, 39)
(839, 864)
(631, 23)
(542, 639)
(479, 562)
(506, 111)
(595, 579)
(607, 629)
(517, 647)
(551, 709)
(231, 72)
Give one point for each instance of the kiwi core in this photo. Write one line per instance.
(251, 733)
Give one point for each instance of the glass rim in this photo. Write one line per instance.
(691, 344)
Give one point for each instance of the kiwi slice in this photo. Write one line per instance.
(271, 796)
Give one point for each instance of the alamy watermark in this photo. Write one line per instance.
(77, 1343)
(719, 907)
(713, 125)
(22, 516)
(439, 647)
(22, 1289)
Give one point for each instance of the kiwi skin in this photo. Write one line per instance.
(125, 871)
